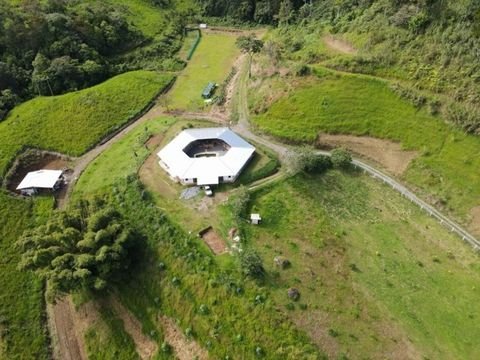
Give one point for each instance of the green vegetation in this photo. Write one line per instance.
(74, 122)
(338, 103)
(179, 274)
(373, 269)
(211, 62)
(125, 157)
(22, 312)
(82, 249)
(50, 47)
(108, 339)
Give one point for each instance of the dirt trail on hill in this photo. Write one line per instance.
(339, 45)
(184, 349)
(82, 162)
(145, 346)
(67, 339)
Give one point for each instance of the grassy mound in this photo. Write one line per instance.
(22, 323)
(74, 122)
(359, 105)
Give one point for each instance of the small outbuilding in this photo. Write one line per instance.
(208, 91)
(36, 181)
(203, 26)
(255, 219)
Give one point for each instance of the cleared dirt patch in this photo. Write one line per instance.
(145, 346)
(339, 45)
(214, 241)
(185, 349)
(68, 337)
(155, 178)
(475, 221)
(389, 154)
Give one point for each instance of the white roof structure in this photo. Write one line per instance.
(255, 217)
(41, 179)
(206, 169)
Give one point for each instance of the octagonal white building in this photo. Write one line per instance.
(207, 156)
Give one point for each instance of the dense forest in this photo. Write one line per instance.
(55, 46)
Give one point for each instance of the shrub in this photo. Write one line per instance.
(252, 264)
(341, 158)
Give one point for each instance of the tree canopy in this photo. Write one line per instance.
(80, 249)
(55, 46)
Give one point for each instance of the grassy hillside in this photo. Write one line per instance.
(240, 315)
(212, 61)
(22, 324)
(227, 315)
(431, 45)
(73, 122)
(449, 161)
(378, 277)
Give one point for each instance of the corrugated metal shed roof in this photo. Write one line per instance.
(41, 179)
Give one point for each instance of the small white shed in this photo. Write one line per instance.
(255, 219)
(202, 26)
(41, 179)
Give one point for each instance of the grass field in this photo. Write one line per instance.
(124, 157)
(378, 277)
(212, 61)
(74, 122)
(22, 324)
(449, 164)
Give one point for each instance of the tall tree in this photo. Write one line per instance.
(251, 45)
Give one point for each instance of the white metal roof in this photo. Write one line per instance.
(44, 179)
(206, 170)
(255, 217)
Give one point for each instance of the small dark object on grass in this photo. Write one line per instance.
(281, 262)
(293, 294)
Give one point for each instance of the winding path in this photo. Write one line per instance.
(243, 128)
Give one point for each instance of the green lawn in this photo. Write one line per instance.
(74, 122)
(449, 163)
(124, 157)
(212, 61)
(22, 313)
(375, 272)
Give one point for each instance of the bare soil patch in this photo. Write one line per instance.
(214, 241)
(155, 178)
(154, 141)
(388, 154)
(339, 45)
(475, 221)
(145, 346)
(185, 349)
(66, 333)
